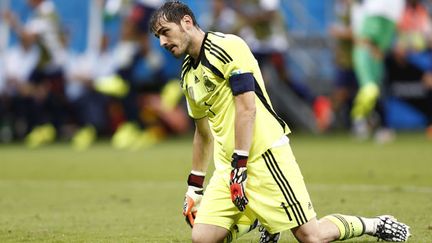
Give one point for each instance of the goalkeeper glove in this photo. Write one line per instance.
(193, 196)
(238, 180)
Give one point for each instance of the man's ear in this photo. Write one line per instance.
(187, 22)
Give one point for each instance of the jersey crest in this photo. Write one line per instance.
(209, 85)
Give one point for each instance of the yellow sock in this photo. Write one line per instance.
(365, 101)
(349, 226)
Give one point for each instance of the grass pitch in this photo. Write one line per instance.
(53, 194)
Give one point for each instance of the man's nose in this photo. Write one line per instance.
(162, 41)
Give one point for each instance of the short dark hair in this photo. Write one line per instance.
(172, 11)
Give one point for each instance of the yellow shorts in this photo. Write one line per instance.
(277, 195)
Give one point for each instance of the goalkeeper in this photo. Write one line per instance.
(256, 172)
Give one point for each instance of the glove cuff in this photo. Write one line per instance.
(238, 160)
(195, 180)
(193, 191)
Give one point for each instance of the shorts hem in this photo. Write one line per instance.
(214, 224)
(289, 226)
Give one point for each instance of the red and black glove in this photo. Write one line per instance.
(193, 196)
(238, 180)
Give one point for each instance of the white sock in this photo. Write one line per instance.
(370, 225)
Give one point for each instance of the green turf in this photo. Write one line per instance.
(53, 194)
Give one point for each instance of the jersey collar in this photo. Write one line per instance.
(195, 63)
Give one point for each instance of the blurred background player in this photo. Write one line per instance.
(144, 84)
(374, 25)
(18, 63)
(88, 108)
(47, 94)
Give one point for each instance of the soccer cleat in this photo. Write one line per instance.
(84, 138)
(40, 135)
(389, 229)
(360, 129)
(126, 135)
(267, 237)
(148, 138)
(384, 135)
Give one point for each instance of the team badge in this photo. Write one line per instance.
(210, 86)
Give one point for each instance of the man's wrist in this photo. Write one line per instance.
(241, 152)
(196, 178)
(198, 173)
(239, 158)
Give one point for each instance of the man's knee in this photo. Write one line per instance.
(198, 237)
(316, 231)
(202, 233)
(309, 237)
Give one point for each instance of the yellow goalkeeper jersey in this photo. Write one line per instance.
(205, 83)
